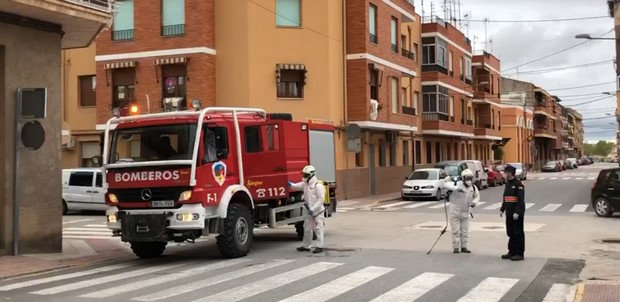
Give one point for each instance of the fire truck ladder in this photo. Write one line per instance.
(193, 162)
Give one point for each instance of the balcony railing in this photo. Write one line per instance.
(435, 67)
(468, 81)
(435, 116)
(173, 30)
(408, 110)
(119, 35)
(373, 38)
(395, 48)
(406, 53)
(101, 5)
(470, 122)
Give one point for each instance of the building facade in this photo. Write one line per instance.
(382, 90)
(80, 139)
(487, 106)
(446, 96)
(33, 33)
(518, 122)
(547, 128)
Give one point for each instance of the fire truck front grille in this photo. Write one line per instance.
(135, 195)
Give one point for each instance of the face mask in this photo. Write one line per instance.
(468, 183)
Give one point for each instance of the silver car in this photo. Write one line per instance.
(424, 183)
(521, 173)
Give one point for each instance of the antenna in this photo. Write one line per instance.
(486, 21)
(491, 42)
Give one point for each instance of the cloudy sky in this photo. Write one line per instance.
(518, 43)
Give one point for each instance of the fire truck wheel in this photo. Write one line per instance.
(148, 249)
(299, 227)
(238, 234)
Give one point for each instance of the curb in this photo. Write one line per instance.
(579, 292)
(55, 269)
(386, 200)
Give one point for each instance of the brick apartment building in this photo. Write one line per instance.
(446, 95)
(382, 77)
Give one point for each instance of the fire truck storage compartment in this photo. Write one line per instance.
(322, 154)
(143, 228)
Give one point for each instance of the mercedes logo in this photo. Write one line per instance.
(146, 194)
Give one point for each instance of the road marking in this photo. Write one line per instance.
(541, 178)
(87, 232)
(98, 226)
(565, 178)
(474, 226)
(414, 288)
(438, 206)
(579, 208)
(264, 285)
(127, 287)
(415, 205)
(76, 221)
(590, 178)
(494, 206)
(65, 276)
(557, 293)
(550, 207)
(580, 178)
(189, 287)
(91, 237)
(480, 203)
(489, 290)
(344, 209)
(391, 205)
(112, 278)
(553, 178)
(348, 203)
(529, 205)
(340, 286)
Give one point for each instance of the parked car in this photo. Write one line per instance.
(605, 194)
(424, 183)
(495, 177)
(82, 190)
(572, 163)
(501, 169)
(551, 166)
(451, 167)
(455, 167)
(521, 173)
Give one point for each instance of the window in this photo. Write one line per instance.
(374, 83)
(461, 67)
(463, 112)
(288, 13)
(437, 152)
(123, 87)
(382, 155)
(450, 67)
(403, 97)
(418, 152)
(415, 51)
(435, 99)
(416, 99)
(429, 155)
(173, 83)
(89, 150)
(392, 147)
(395, 95)
(263, 138)
(291, 84)
(81, 179)
(215, 143)
(428, 54)
(123, 21)
(394, 34)
(468, 68)
(99, 180)
(153, 143)
(405, 153)
(499, 120)
(173, 17)
(451, 106)
(88, 96)
(359, 159)
(492, 118)
(372, 23)
(441, 52)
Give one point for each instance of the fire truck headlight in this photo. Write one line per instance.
(112, 218)
(112, 198)
(185, 196)
(188, 216)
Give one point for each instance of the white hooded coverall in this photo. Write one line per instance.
(314, 193)
(462, 199)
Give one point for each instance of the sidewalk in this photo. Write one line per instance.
(598, 291)
(75, 253)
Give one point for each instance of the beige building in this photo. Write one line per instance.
(80, 140)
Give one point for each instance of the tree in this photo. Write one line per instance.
(601, 148)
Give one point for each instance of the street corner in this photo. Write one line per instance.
(598, 291)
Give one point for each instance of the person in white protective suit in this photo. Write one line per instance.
(464, 196)
(314, 193)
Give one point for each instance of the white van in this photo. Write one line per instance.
(481, 179)
(82, 190)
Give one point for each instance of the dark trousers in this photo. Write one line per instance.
(516, 235)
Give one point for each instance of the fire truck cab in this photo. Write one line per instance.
(177, 176)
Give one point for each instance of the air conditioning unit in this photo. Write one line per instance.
(70, 145)
(391, 136)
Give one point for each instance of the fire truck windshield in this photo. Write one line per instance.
(153, 143)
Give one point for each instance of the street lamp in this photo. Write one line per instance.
(588, 37)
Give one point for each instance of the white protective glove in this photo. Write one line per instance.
(515, 216)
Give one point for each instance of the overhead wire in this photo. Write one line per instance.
(534, 20)
(548, 70)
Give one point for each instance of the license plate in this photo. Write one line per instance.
(162, 203)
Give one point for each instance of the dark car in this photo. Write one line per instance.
(605, 195)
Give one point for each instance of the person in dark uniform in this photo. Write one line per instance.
(514, 206)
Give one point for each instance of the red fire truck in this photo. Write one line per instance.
(177, 176)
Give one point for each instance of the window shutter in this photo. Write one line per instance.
(174, 12)
(288, 12)
(124, 19)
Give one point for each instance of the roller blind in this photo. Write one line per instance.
(124, 18)
(173, 12)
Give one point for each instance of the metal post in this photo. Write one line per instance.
(16, 203)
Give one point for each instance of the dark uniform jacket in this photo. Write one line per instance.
(514, 198)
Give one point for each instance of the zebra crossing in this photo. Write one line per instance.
(482, 206)
(583, 176)
(285, 280)
(77, 229)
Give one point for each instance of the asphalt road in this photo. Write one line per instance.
(563, 193)
(274, 271)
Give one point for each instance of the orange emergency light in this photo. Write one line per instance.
(133, 110)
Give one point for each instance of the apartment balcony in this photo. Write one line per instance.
(486, 131)
(542, 131)
(79, 21)
(407, 54)
(435, 123)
